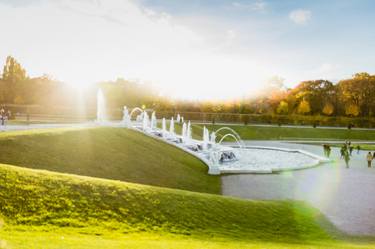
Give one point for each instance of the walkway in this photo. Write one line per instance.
(345, 196)
(14, 127)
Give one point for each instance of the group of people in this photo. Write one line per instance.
(4, 116)
(346, 152)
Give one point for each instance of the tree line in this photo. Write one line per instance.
(353, 97)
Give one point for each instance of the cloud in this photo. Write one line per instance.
(20, 3)
(300, 16)
(85, 41)
(253, 6)
(327, 67)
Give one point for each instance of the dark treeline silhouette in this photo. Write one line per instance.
(354, 97)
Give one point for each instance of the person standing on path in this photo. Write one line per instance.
(346, 158)
(325, 149)
(328, 150)
(342, 151)
(369, 159)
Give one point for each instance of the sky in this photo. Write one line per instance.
(196, 49)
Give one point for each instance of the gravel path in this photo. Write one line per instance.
(345, 196)
(13, 127)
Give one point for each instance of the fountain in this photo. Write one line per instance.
(188, 132)
(126, 117)
(153, 121)
(219, 156)
(206, 138)
(164, 127)
(101, 116)
(234, 135)
(213, 138)
(139, 117)
(171, 127)
(183, 132)
(145, 121)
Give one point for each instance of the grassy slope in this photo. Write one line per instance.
(264, 133)
(63, 240)
(110, 153)
(50, 210)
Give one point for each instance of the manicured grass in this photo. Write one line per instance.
(68, 239)
(370, 147)
(43, 209)
(285, 133)
(363, 146)
(112, 153)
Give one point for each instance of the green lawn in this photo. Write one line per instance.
(275, 133)
(48, 210)
(370, 147)
(363, 146)
(16, 239)
(111, 153)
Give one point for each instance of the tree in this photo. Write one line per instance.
(316, 92)
(283, 108)
(19, 100)
(304, 107)
(13, 71)
(359, 91)
(352, 110)
(328, 109)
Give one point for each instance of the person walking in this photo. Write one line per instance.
(346, 158)
(5, 118)
(369, 159)
(358, 149)
(351, 149)
(325, 149)
(342, 151)
(328, 150)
